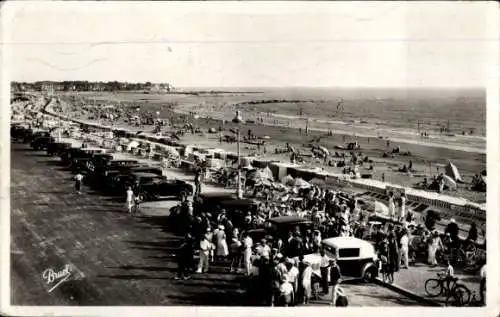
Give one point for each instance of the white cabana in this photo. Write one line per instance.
(132, 145)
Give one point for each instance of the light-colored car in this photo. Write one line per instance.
(356, 257)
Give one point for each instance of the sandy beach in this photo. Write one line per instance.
(428, 156)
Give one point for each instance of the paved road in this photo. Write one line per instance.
(117, 259)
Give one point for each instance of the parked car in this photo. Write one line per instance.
(42, 142)
(356, 258)
(55, 148)
(118, 184)
(162, 188)
(280, 227)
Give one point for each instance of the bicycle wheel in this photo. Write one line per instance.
(460, 296)
(433, 287)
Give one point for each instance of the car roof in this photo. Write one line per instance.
(238, 202)
(347, 242)
(289, 220)
(141, 174)
(214, 195)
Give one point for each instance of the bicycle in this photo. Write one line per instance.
(456, 295)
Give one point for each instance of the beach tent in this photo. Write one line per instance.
(452, 171)
(268, 173)
(299, 182)
(449, 182)
(132, 145)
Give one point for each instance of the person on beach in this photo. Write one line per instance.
(78, 183)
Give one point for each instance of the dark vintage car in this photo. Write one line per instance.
(235, 207)
(18, 131)
(149, 186)
(55, 148)
(163, 188)
(32, 134)
(80, 158)
(69, 155)
(101, 166)
(42, 142)
(280, 227)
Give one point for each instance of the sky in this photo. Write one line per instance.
(252, 44)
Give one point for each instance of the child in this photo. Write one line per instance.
(286, 292)
(449, 275)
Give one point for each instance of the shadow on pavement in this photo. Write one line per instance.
(133, 277)
(211, 299)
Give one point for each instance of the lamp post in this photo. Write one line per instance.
(237, 119)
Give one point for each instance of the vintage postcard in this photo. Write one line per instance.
(249, 158)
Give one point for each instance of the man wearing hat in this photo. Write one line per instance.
(335, 279)
(453, 229)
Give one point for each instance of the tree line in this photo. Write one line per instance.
(88, 86)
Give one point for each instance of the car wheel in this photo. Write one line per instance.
(369, 274)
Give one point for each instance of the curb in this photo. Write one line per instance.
(408, 293)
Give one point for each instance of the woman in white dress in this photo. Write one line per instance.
(435, 244)
(221, 244)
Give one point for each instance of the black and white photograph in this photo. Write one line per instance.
(247, 158)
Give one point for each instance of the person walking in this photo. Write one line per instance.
(78, 183)
(323, 267)
(404, 250)
(235, 254)
(197, 181)
(222, 251)
(247, 254)
(185, 258)
(205, 247)
(130, 200)
(335, 279)
(306, 282)
(434, 245)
